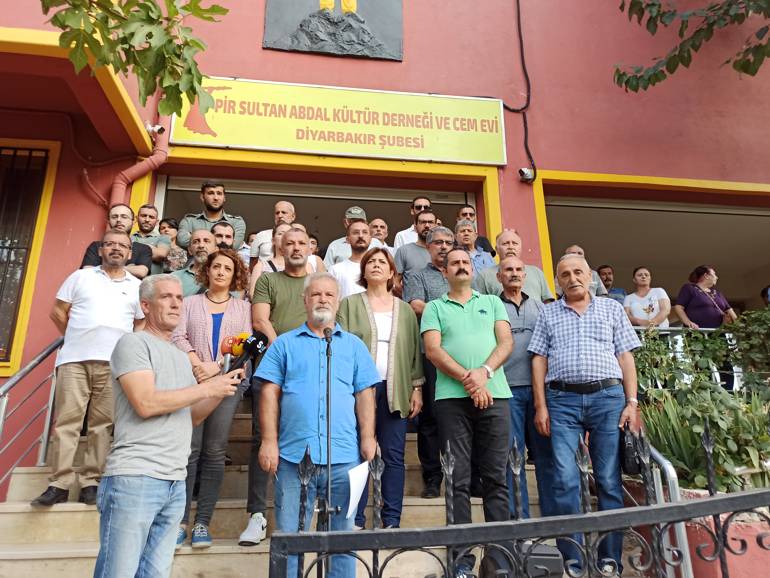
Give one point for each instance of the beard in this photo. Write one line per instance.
(201, 257)
(211, 208)
(296, 260)
(322, 316)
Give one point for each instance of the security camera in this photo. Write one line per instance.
(154, 129)
(526, 175)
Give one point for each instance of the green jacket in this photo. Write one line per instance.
(404, 361)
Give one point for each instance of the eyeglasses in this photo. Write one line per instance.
(442, 242)
(111, 244)
(421, 207)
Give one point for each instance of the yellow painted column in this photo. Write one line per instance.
(327, 4)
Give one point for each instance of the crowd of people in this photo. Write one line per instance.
(432, 329)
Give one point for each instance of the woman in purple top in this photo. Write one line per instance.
(205, 320)
(699, 304)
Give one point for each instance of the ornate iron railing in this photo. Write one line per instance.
(647, 530)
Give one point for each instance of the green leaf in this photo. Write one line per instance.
(171, 9)
(685, 58)
(652, 25)
(78, 55)
(672, 63)
(668, 17)
(632, 83)
(762, 32)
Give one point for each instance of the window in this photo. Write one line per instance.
(22, 178)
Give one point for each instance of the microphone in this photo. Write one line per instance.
(227, 346)
(328, 334)
(253, 345)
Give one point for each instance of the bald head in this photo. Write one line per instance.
(575, 250)
(508, 244)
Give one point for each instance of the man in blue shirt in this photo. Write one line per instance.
(465, 232)
(582, 350)
(292, 412)
(607, 275)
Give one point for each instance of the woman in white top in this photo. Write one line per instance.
(647, 306)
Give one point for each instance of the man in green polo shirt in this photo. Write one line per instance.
(468, 338)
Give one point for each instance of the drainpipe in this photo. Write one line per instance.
(143, 167)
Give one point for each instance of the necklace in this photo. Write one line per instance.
(217, 302)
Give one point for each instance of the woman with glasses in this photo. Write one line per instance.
(389, 328)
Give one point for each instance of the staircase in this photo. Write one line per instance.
(63, 541)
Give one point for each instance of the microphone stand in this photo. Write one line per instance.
(325, 509)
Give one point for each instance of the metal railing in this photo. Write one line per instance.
(646, 528)
(5, 394)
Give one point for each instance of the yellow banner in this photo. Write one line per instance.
(345, 122)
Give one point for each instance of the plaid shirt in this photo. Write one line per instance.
(583, 348)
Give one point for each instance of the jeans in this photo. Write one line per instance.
(287, 494)
(572, 415)
(391, 436)
(139, 518)
(207, 452)
(428, 446)
(523, 431)
(258, 478)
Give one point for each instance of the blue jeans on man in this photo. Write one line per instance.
(287, 494)
(391, 437)
(573, 414)
(139, 519)
(522, 429)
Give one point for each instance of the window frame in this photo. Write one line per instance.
(19, 338)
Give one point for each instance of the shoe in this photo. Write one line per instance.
(255, 532)
(181, 536)
(200, 536)
(431, 491)
(51, 496)
(88, 495)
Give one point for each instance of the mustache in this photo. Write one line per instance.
(462, 272)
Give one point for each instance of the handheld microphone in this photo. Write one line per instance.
(253, 345)
(227, 346)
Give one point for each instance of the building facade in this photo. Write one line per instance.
(669, 178)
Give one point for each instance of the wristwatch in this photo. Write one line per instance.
(489, 370)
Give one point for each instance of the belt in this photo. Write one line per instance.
(586, 387)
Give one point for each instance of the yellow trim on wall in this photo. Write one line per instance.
(46, 43)
(33, 264)
(487, 176)
(609, 180)
(140, 193)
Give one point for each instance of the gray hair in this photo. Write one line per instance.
(573, 256)
(147, 287)
(465, 223)
(313, 277)
(439, 231)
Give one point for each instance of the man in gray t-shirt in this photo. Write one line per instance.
(415, 256)
(141, 496)
(523, 312)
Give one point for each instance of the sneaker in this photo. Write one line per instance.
(181, 536)
(200, 536)
(255, 532)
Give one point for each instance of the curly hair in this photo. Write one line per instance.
(240, 273)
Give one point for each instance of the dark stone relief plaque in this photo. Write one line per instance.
(363, 28)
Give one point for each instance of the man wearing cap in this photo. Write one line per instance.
(339, 249)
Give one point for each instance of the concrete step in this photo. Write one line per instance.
(239, 445)
(28, 483)
(225, 559)
(20, 523)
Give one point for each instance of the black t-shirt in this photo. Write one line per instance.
(141, 254)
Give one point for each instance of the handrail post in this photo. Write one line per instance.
(3, 407)
(42, 452)
(680, 531)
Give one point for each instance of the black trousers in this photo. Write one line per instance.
(428, 446)
(483, 434)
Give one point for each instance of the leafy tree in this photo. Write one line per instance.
(141, 38)
(696, 27)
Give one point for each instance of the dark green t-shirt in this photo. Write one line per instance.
(284, 295)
